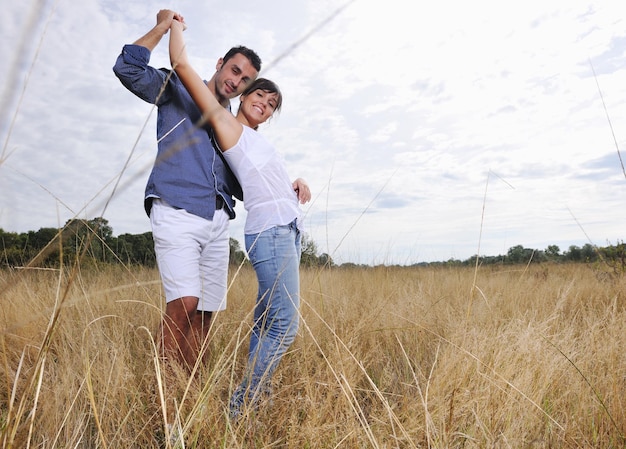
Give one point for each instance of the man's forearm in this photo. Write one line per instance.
(152, 38)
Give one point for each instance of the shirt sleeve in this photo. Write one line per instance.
(136, 75)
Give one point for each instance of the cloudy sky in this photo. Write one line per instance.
(429, 132)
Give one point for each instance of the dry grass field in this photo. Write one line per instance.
(507, 357)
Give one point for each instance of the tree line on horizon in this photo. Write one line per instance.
(93, 241)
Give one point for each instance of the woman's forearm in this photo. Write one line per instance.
(226, 126)
(203, 97)
(178, 54)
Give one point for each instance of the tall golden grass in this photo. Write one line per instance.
(385, 358)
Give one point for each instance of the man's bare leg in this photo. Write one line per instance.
(176, 331)
(200, 327)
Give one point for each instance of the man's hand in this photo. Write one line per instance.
(165, 17)
(151, 39)
(302, 190)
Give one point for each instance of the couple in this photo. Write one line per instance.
(204, 152)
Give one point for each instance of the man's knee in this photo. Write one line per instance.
(202, 321)
(182, 311)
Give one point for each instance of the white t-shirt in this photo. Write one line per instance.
(268, 194)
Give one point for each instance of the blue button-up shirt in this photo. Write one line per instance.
(188, 172)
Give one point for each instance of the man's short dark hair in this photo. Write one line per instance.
(248, 53)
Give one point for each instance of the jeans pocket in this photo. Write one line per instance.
(280, 231)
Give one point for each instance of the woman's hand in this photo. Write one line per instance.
(302, 190)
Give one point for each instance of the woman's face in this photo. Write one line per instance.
(258, 106)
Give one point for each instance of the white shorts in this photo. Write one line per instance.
(192, 254)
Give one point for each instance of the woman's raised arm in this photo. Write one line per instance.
(227, 128)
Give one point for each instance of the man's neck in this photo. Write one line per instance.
(223, 101)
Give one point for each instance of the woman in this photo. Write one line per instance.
(272, 228)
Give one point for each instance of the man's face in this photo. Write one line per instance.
(233, 76)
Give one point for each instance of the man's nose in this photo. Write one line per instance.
(237, 81)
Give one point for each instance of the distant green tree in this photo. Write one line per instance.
(36, 241)
(88, 238)
(308, 256)
(11, 248)
(136, 249)
(8, 239)
(519, 254)
(614, 256)
(452, 262)
(103, 240)
(552, 252)
(236, 254)
(573, 254)
(325, 260)
(588, 253)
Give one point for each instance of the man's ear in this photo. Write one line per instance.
(220, 63)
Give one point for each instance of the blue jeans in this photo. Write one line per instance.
(275, 256)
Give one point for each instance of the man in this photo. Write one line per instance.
(189, 195)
